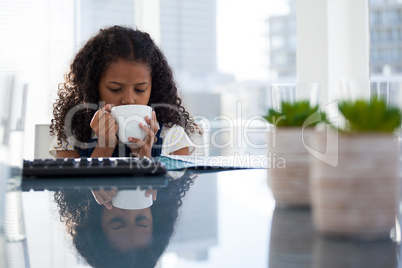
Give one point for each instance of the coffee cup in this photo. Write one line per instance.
(128, 118)
(132, 199)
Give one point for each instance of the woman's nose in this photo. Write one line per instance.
(128, 97)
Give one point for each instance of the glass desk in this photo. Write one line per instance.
(227, 219)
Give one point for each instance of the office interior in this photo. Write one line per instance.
(224, 55)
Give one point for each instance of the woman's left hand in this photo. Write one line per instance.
(143, 148)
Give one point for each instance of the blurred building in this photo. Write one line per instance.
(92, 15)
(188, 39)
(282, 41)
(385, 43)
(196, 232)
(386, 37)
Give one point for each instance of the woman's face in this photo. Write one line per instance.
(127, 229)
(126, 82)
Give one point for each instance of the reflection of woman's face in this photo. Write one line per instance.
(127, 229)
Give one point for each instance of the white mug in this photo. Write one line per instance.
(132, 199)
(128, 118)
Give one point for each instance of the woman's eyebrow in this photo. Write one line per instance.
(142, 83)
(116, 219)
(122, 84)
(114, 82)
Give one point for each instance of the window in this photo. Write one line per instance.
(386, 52)
(211, 49)
(37, 42)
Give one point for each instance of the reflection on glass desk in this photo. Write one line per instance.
(224, 219)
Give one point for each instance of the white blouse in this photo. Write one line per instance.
(174, 138)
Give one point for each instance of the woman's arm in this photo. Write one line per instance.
(98, 152)
(67, 154)
(182, 151)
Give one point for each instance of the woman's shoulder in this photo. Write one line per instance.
(174, 128)
(175, 138)
(173, 133)
(61, 146)
(195, 129)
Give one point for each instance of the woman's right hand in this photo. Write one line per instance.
(103, 197)
(105, 127)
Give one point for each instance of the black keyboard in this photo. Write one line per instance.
(92, 167)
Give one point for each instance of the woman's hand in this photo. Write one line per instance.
(103, 197)
(143, 148)
(105, 127)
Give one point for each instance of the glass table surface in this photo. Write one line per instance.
(215, 219)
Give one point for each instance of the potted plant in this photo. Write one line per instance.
(289, 163)
(358, 197)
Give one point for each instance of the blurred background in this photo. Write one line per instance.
(224, 53)
(218, 49)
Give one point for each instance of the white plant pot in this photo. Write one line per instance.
(336, 253)
(357, 198)
(289, 166)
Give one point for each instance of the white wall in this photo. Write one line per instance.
(333, 43)
(147, 22)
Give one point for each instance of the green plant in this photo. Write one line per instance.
(293, 114)
(370, 116)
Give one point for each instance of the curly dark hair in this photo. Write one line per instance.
(82, 216)
(80, 93)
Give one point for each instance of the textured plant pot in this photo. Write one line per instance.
(336, 253)
(289, 166)
(357, 198)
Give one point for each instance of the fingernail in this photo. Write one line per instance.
(141, 124)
